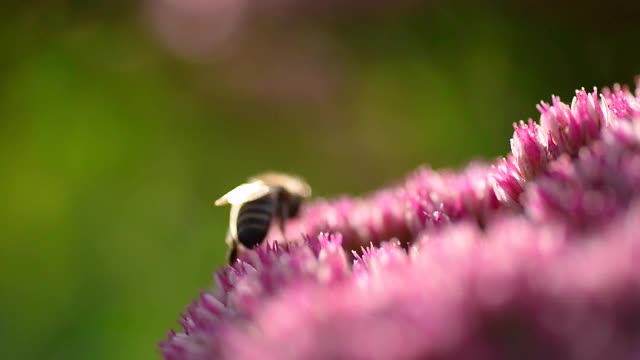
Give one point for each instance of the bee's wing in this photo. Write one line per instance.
(244, 193)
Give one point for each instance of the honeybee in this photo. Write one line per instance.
(257, 203)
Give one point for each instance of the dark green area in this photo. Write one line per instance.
(112, 149)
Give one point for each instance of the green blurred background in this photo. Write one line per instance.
(121, 122)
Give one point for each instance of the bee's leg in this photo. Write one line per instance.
(284, 214)
(232, 254)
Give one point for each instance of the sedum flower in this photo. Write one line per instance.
(533, 256)
(529, 147)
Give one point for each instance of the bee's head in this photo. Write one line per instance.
(294, 205)
(292, 184)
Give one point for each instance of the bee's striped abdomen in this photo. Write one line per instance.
(254, 220)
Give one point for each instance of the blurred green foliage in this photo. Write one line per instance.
(112, 148)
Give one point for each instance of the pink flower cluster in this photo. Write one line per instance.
(428, 198)
(532, 257)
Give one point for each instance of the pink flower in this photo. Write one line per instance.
(534, 256)
(529, 148)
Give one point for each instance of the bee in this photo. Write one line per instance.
(256, 204)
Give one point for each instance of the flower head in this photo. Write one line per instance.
(534, 256)
(529, 148)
